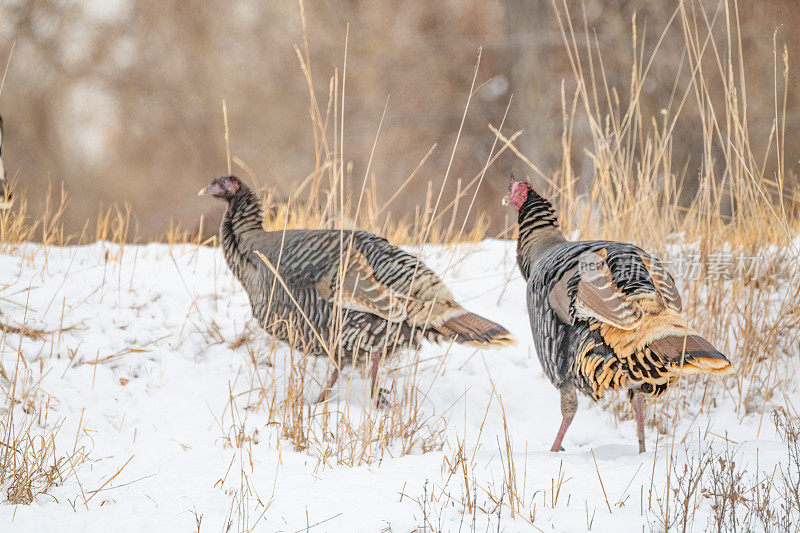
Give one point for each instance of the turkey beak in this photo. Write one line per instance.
(204, 192)
(505, 200)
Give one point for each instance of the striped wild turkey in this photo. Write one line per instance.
(347, 294)
(604, 315)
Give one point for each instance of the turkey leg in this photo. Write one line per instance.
(375, 391)
(569, 404)
(639, 411)
(326, 392)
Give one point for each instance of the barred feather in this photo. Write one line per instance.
(604, 315)
(348, 293)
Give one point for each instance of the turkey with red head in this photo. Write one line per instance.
(604, 315)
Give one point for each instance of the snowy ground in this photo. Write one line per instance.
(143, 372)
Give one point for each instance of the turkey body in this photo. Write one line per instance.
(295, 311)
(594, 355)
(345, 294)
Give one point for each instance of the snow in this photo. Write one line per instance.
(143, 373)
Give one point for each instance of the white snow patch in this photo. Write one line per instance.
(160, 390)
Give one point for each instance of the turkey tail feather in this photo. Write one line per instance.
(473, 329)
(691, 354)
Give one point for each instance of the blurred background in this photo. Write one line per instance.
(121, 100)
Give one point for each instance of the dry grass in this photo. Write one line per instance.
(635, 194)
(736, 241)
(33, 456)
(740, 497)
(350, 428)
(733, 245)
(33, 459)
(281, 386)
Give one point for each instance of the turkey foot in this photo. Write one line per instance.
(381, 395)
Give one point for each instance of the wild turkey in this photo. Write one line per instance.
(604, 315)
(5, 193)
(345, 294)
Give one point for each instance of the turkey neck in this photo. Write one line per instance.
(244, 211)
(242, 219)
(538, 230)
